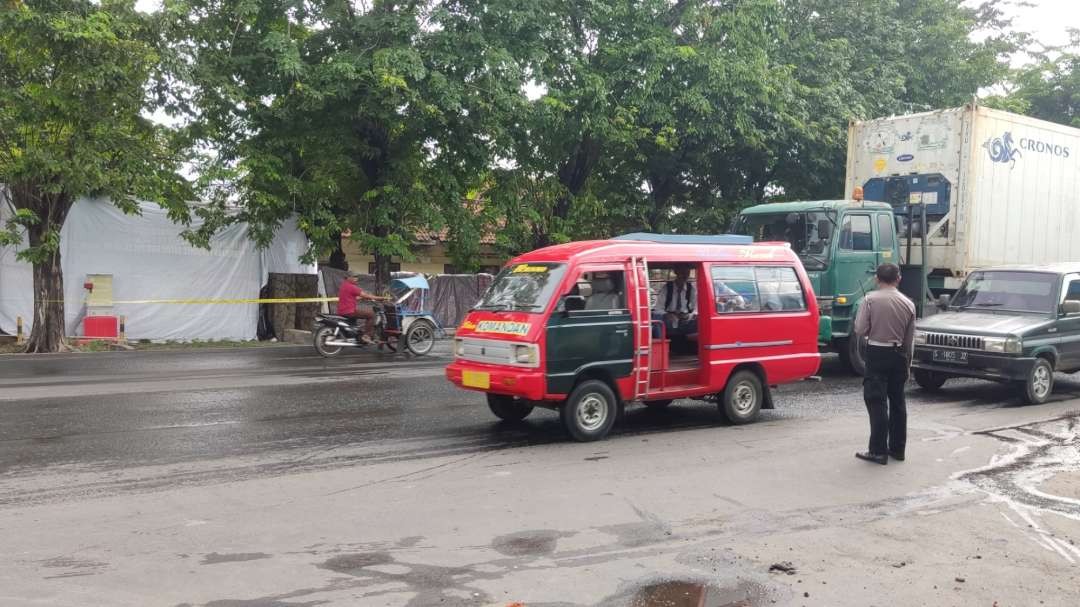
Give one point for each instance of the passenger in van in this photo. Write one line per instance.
(605, 293)
(676, 303)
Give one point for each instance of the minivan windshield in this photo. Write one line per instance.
(523, 287)
(1007, 291)
(809, 233)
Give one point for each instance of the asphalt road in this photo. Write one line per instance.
(285, 409)
(271, 477)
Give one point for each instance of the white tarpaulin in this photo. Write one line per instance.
(148, 259)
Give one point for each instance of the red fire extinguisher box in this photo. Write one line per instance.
(101, 327)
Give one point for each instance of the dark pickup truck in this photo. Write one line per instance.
(1008, 324)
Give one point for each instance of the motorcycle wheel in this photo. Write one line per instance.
(420, 338)
(321, 336)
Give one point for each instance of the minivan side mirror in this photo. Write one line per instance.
(1070, 307)
(943, 302)
(574, 303)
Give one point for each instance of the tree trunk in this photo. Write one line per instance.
(47, 333)
(43, 235)
(337, 258)
(382, 272)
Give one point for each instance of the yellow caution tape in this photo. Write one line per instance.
(278, 300)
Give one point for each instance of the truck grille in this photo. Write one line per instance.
(963, 342)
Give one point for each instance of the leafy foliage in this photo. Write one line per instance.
(74, 78)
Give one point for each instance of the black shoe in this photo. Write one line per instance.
(897, 456)
(872, 457)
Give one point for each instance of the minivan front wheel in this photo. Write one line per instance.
(590, 411)
(852, 355)
(1040, 382)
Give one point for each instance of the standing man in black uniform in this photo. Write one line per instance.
(886, 320)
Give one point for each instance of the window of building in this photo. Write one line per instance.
(394, 267)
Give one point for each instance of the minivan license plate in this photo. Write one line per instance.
(476, 379)
(950, 356)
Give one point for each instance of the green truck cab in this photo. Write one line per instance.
(840, 243)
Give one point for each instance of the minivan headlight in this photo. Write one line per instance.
(459, 347)
(920, 338)
(527, 355)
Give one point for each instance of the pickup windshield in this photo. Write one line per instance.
(1007, 292)
(809, 233)
(523, 287)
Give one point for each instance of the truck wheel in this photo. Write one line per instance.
(851, 355)
(590, 411)
(928, 380)
(1040, 382)
(742, 398)
(507, 408)
(658, 404)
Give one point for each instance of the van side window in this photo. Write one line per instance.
(734, 289)
(886, 237)
(607, 291)
(780, 290)
(856, 233)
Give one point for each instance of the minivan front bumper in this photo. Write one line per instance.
(529, 384)
(980, 365)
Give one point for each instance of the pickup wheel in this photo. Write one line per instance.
(1039, 383)
(742, 398)
(852, 355)
(928, 380)
(507, 408)
(590, 411)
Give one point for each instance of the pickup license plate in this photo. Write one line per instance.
(476, 379)
(950, 356)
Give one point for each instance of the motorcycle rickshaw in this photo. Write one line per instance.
(405, 323)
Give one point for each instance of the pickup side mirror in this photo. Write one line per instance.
(943, 302)
(1070, 307)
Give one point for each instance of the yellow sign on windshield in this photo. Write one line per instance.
(525, 268)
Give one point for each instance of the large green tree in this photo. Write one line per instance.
(1049, 86)
(75, 78)
(370, 119)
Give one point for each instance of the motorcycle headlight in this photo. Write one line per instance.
(526, 354)
(920, 338)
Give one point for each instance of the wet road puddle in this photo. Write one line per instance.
(693, 594)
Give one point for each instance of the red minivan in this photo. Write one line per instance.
(586, 327)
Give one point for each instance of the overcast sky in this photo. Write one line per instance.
(1047, 20)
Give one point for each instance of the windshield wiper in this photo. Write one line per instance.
(986, 304)
(493, 307)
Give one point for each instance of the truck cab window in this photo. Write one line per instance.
(886, 237)
(856, 233)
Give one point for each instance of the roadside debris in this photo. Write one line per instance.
(783, 567)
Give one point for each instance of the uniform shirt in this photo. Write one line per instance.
(680, 298)
(347, 295)
(887, 316)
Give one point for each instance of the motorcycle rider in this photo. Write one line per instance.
(349, 296)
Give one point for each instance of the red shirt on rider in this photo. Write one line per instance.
(347, 296)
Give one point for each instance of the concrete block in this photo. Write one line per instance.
(298, 336)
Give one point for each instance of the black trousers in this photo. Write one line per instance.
(883, 391)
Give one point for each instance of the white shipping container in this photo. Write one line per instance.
(998, 188)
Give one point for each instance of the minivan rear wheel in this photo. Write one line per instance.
(742, 397)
